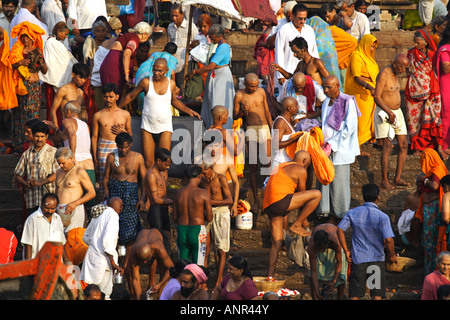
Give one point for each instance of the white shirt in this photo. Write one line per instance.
(38, 230)
(178, 35)
(284, 56)
(361, 25)
(25, 15)
(280, 23)
(101, 236)
(84, 12)
(344, 142)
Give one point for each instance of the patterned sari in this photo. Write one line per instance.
(423, 98)
(325, 45)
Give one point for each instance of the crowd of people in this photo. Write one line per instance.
(317, 98)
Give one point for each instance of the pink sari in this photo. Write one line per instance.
(443, 55)
(431, 283)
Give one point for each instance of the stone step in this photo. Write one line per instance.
(11, 217)
(10, 198)
(9, 161)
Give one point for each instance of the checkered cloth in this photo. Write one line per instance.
(97, 210)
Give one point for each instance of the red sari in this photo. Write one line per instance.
(423, 98)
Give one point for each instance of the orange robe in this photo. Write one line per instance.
(8, 97)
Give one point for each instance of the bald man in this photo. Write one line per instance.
(148, 248)
(389, 121)
(250, 104)
(309, 96)
(340, 134)
(285, 191)
(160, 94)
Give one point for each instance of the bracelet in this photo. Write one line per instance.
(365, 85)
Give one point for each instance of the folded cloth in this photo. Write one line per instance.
(404, 222)
(385, 117)
(198, 273)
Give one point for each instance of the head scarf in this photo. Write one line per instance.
(198, 273)
(431, 163)
(367, 55)
(35, 33)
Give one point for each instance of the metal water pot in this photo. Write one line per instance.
(118, 278)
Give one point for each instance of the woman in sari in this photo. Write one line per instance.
(115, 67)
(443, 73)
(423, 98)
(219, 86)
(428, 211)
(325, 45)
(437, 278)
(360, 82)
(27, 61)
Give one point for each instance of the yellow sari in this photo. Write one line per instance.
(362, 64)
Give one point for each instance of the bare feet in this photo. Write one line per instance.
(416, 153)
(401, 183)
(444, 155)
(387, 186)
(300, 231)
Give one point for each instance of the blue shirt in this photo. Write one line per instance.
(370, 227)
(222, 55)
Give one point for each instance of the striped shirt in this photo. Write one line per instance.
(37, 165)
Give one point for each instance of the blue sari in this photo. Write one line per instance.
(325, 45)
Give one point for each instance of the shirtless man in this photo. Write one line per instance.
(74, 189)
(191, 208)
(388, 100)
(251, 104)
(160, 93)
(221, 201)
(106, 124)
(282, 130)
(123, 170)
(148, 248)
(73, 91)
(324, 237)
(155, 184)
(285, 191)
(75, 135)
(313, 67)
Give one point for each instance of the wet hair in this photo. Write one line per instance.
(370, 192)
(40, 127)
(81, 69)
(240, 262)
(443, 292)
(123, 137)
(321, 238)
(163, 155)
(120, 294)
(299, 7)
(110, 87)
(91, 288)
(31, 122)
(170, 47)
(176, 270)
(50, 195)
(299, 42)
(193, 171)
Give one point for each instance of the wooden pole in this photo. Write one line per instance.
(188, 42)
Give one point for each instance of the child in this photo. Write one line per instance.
(251, 105)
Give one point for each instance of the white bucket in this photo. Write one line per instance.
(244, 221)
